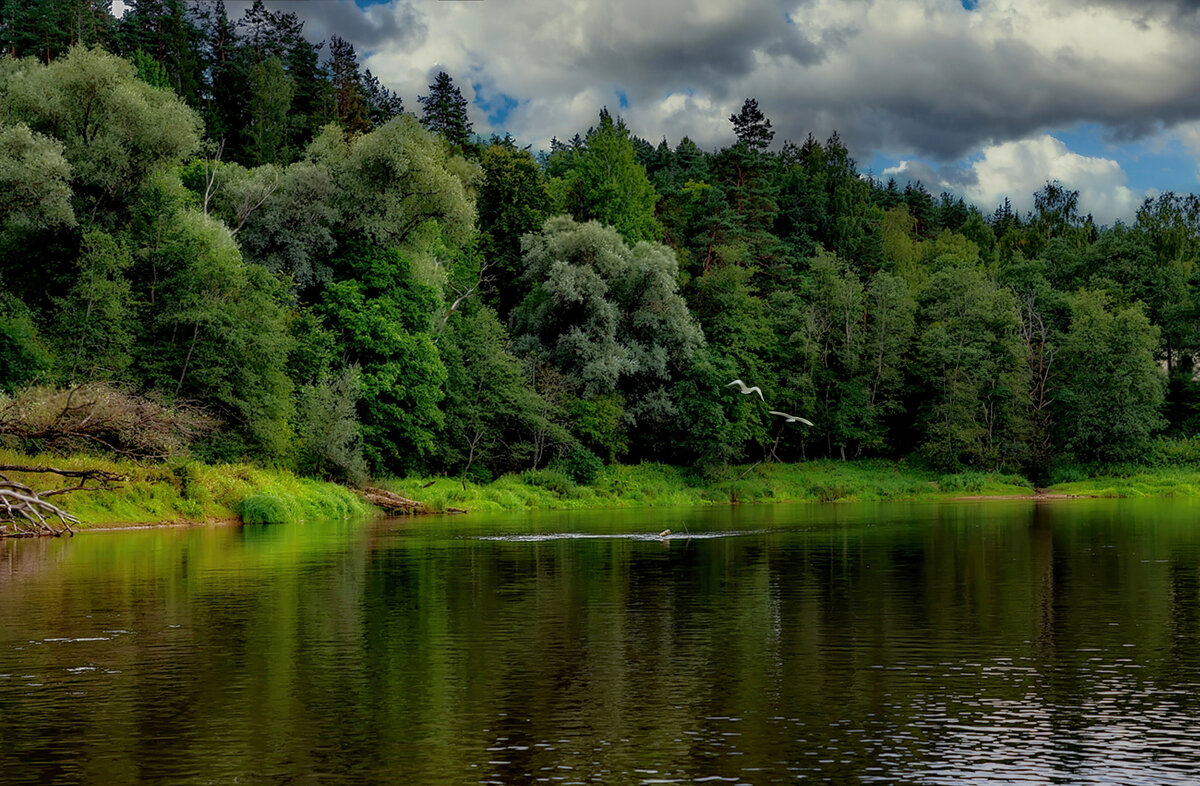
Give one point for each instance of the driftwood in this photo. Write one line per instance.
(25, 512)
(392, 502)
(456, 510)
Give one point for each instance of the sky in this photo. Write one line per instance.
(984, 98)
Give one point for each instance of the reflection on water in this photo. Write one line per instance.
(923, 643)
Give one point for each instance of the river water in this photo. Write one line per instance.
(981, 642)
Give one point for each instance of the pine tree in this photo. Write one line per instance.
(347, 86)
(382, 103)
(752, 127)
(445, 111)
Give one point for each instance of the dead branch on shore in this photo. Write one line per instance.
(25, 512)
(392, 502)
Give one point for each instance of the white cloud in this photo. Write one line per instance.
(1019, 168)
(907, 78)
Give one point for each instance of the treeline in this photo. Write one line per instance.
(352, 290)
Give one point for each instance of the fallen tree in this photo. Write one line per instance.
(25, 512)
(392, 502)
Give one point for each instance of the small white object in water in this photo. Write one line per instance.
(664, 533)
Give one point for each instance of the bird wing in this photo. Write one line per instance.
(805, 421)
(738, 383)
(780, 414)
(757, 390)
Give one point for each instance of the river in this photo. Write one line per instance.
(976, 642)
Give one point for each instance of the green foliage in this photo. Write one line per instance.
(444, 111)
(264, 509)
(1113, 388)
(23, 354)
(328, 434)
(603, 181)
(271, 93)
(513, 202)
(582, 465)
(382, 318)
(971, 361)
(608, 316)
(395, 182)
(491, 414)
(216, 329)
(114, 128)
(94, 334)
(963, 482)
(34, 181)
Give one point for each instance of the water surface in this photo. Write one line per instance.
(996, 642)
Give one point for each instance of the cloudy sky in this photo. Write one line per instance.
(982, 97)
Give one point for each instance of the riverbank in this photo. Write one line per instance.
(662, 485)
(189, 493)
(195, 493)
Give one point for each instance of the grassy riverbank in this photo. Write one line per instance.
(1134, 481)
(190, 492)
(193, 492)
(660, 485)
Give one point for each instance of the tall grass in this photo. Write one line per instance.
(190, 492)
(660, 485)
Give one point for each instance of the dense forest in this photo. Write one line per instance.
(218, 218)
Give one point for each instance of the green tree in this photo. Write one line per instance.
(329, 441)
(213, 329)
(93, 320)
(381, 316)
(166, 31)
(396, 182)
(1112, 388)
(24, 356)
(603, 181)
(444, 111)
(270, 99)
(607, 315)
(347, 86)
(491, 414)
(752, 127)
(114, 129)
(513, 202)
(45, 29)
(972, 368)
(35, 191)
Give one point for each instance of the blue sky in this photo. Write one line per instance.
(982, 97)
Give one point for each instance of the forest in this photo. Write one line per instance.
(226, 239)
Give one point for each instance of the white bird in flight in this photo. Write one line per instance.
(745, 389)
(791, 418)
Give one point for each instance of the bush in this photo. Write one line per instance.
(581, 464)
(1067, 474)
(550, 479)
(968, 482)
(264, 509)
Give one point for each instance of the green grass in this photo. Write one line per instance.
(189, 492)
(1132, 482)
(660, 485)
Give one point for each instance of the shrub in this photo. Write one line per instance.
(581, 464)
(968, 482)
(264, 509)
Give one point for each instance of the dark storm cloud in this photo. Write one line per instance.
(922, 77)
(370, 29)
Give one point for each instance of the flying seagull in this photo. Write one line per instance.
(791, 418)
(747, 390)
